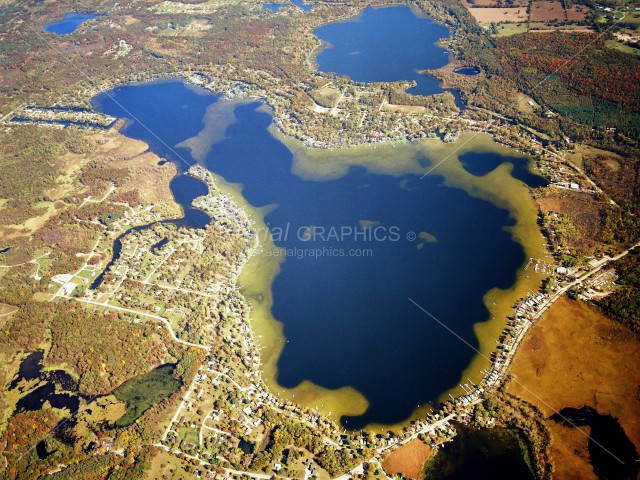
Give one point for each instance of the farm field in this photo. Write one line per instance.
(495, 15)
(577, 13)
(547, 11)
(541, 15)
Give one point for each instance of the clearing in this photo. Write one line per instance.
(497, 15)
(573, 357)
(408, 460)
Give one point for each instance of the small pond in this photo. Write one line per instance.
(468, 71)
(69, 23)
(274, 7)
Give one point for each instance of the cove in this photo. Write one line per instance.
(343, 299)
(69, 23)
(385, 45)
(482, 163)
(185, 189)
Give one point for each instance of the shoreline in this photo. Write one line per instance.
(214, 82)
(254, 280)
(345, 401)
(487, 330)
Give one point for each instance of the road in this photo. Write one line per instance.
(579, 280)
(379, 452)
(9, 313)
(179, 409)
(12, 112)
(143, 314)
(35, 260)
(382, 451)
(235, 384)
(178, 289)
(334, 110)
(106, 195)
(518, 341)
(579, 170)
(228, 471)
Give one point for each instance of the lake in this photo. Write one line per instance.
(353, 247)
(385, 45)
(29, 369)
(69, 23)
(274, 7)
(144, 391)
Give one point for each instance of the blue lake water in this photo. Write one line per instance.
(481, 163)
(56, 387)
(384, 45)
(468, 71)
(160, 133)
(69, 23)
(347, 319)
(274, 7)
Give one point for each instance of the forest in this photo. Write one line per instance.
(624, 303)
(618, 176)
(30, 159)
(574, 74)
(101, 362)
(104, 349)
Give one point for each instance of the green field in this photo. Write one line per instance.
(623, 47)
(506, 29)
(601, 114)
(144, 391)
